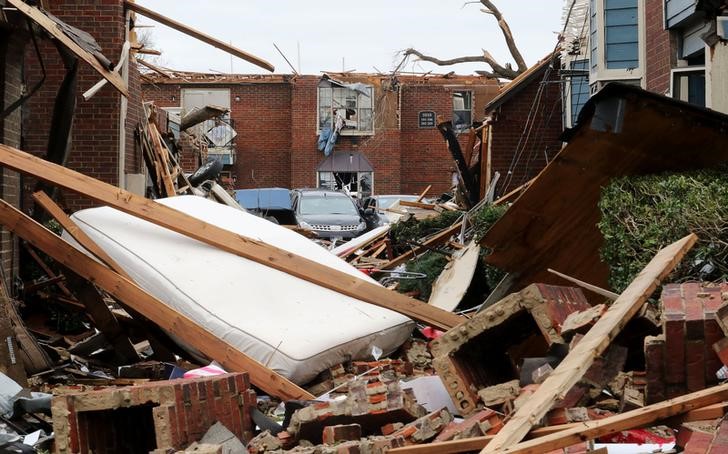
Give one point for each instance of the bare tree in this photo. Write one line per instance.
(497, 70)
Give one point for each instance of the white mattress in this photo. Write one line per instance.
(297, 328)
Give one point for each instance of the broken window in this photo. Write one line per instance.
(352, 103)
(357, 184)
(462, 109)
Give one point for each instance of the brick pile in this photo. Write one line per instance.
(682, 359)
(369, 404)
(163, 415)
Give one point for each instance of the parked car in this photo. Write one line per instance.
(329, 214)
(374, 207)
(273, 204)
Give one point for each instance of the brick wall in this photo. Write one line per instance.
(660, 49)
(95, 137)
(11, 60)
(542, 142)
(152, 417)
(425, 157)
(262, 120)
(277, 131)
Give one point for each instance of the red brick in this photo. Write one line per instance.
(342, 432)
(695, 352)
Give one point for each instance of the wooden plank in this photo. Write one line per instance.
(698, 413)
(424, 206)
(592, 288)
(186, 329)
(52, 28)
(48, 272)
(42, 199)
(161, 153)
(103, 318)
(155, 16)
(472, 443)
(424, 193)
(249, 248)
(154, 68)
(439, 238)
(89, 296)
(453, 282)
(593, 344)
(590, 430)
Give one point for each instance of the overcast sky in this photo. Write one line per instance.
(354, 35)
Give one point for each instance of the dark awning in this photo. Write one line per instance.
(345, 161)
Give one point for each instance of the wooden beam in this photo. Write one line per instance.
(472, 443)
(155, 16)
(439, 238)
(187, 330)
(103, 318)
(592, 288)
(89, 295)
(590, 430)
(48, 272)
(161, 154)
(154, 68)
(248, 248)
(42, 199)
(703, 413)
(424, 193)
(52, 28)
(424, 206)
(593, 344)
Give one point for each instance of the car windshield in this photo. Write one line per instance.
(327, 203)
(387, 201)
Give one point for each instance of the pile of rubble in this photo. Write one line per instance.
(104, 355)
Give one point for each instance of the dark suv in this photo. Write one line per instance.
(329, 214)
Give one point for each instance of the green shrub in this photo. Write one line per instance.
(640, 215)
(432, 263)
(405, 233)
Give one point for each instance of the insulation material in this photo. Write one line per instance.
(295, 327)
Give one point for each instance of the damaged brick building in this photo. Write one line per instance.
(390, 131)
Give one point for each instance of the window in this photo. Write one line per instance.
(353, 103)
(462, 109)
(578, 89)
(621, 34)
(617, 36)
(358, 184)
(688, 84)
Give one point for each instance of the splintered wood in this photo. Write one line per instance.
(596, 341)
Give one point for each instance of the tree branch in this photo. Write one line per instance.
(507, 34)
(498, 70)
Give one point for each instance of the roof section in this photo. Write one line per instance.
(520, 82)
(159, 75)
(622, 130)
(187, 77)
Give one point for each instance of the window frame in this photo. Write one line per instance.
(599, 72)
(689, 69)
(471, 99)
(344, 131)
